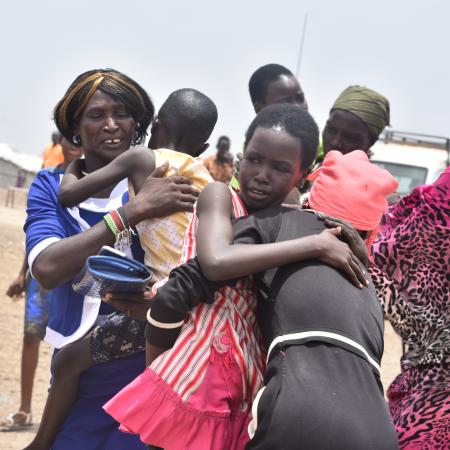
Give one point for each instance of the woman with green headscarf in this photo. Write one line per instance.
(356, 120)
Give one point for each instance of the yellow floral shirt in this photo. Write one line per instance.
(162, 238)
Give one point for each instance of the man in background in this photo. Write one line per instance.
(220, 165)
(271, 84)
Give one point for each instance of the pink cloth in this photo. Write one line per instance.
(211, 419)
(352, 188)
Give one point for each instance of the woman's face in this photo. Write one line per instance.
(270, 168)
(345, 132)
(106, 128)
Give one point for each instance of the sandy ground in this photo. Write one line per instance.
(11, 330)
(12, 244)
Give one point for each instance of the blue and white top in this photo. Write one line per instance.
(71, 314)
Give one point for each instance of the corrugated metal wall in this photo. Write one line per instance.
(9, 173)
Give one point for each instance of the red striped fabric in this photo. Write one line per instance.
(184, 366)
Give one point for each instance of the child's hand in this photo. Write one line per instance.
(335, 253)
(351, 237)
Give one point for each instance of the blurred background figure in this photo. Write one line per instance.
(37, 305)
(220, 165)
(53, 154)
(21, 177)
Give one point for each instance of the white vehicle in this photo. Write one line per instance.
(413, 159)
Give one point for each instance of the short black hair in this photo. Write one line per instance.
(295, 121)
(113, 83)
(262, 77)
(190, 115)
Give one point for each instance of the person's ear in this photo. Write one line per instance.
(202, 149)
(258, 106)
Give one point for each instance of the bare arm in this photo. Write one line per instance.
(68, 194)
(136, 163)
(17, 287)
(221, 260)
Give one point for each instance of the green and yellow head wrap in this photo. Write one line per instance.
(370, 106)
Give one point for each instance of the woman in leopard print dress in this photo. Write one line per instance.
(411, 269)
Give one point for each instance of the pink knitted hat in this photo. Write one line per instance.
(352, 188)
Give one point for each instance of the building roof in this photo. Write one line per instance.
(30, 163)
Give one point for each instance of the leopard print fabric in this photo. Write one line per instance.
(419, 401)
(411, 258)
(410, 269)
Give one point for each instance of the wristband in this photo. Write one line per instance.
(123, 217)
(118, 220)
(166, 326)
(117, 223)
(111, 225)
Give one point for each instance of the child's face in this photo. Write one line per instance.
(270, 169)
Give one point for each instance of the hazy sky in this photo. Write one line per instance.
(400, 48)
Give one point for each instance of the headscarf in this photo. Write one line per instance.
(370, 106)
(352, 188)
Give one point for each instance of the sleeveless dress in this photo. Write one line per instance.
(198, 394)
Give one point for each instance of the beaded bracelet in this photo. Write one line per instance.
(123, 216)
(117, 222)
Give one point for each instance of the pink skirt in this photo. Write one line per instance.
(210, 419)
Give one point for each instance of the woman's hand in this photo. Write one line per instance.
(131, 304)
(333, 252)
(350, 236)
(160, 197)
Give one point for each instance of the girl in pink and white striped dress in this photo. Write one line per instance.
(198, 394)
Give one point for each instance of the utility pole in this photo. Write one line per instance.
(299, 60)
